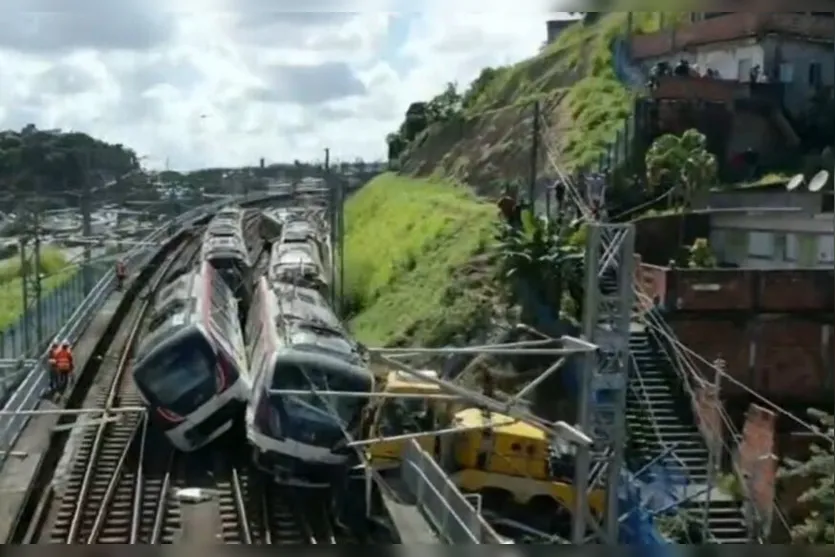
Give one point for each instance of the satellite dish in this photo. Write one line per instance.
(795, 182)
(819, 181)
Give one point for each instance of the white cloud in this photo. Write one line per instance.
(224, 82)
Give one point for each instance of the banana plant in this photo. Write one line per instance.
(538, 253)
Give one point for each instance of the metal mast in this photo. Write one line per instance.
(606, 319)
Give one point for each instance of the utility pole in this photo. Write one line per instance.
(534, 170)
(714, 455)
(333, 201)
(341, 243)
(86, 221)
(30, 270)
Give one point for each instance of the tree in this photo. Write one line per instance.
(540, 254)
(55, 162)
(681, 165)
(818, 527)
(471, 96)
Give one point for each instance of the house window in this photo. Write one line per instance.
(743, 72)
(827, 203)
(807, 246)
(786, 72)
(760, 245)
(780, 247)
(815, 74)
(826, 249)
(792, 247)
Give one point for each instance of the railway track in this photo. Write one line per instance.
(125, 482)
(117, 484)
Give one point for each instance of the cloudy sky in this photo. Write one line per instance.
(224, 82)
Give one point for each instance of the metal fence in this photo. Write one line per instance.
(55, 308)
(446, 508)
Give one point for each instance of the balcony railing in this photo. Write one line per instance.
(715, 90)
(731, 27)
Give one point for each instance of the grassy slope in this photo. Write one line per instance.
(53, 266)
(412, 269)
(583, 104)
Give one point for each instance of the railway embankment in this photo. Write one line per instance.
(418, 263)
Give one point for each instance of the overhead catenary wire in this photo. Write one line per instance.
(651, 321)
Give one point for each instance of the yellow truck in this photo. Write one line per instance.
(502, 459)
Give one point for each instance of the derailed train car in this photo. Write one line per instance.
(191, 368)
(224, 246)
(298, 344)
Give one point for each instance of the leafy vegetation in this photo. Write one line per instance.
(545, 255)
(681, 166)
(417, 270)
(54, 164)
(55, 270)
(701, 256)
(485, 125)
(819, 498)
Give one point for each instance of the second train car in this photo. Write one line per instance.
(298, 344)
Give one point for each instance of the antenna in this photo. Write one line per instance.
(795, 182)
(819, 180)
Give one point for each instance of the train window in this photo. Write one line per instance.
(179, 378)
(324, 378)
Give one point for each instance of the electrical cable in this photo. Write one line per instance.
(648, 319)
(683, 352)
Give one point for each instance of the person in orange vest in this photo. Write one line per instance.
(64, 365)
(53, 369)
(121, 273)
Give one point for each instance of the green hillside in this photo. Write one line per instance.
(582, 106)
(416, 265)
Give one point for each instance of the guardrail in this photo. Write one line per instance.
(453, 516)
(28, 393)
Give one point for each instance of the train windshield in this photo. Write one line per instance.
(323, 416)
(179, 377)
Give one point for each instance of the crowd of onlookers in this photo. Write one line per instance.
(685, 69)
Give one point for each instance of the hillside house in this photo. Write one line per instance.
(771, 228)
(791, 50)
(765, 72)
(556, 26)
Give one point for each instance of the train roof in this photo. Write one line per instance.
(223, 228)
(305, 304)
(314, 338)
(165, 329)
(293, 257)
(233, 210)
(224, 244)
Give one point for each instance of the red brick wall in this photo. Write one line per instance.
(750, 289)
(789, 366)
(756, 458)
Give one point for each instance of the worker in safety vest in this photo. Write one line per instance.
(121, 274)
(53, 370)
(64, 364)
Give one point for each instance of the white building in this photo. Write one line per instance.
(772, 228)
(792, 49)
